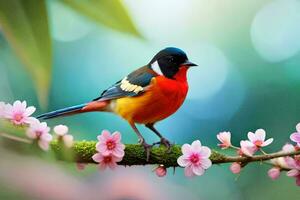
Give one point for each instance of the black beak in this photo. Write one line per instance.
(188, 63)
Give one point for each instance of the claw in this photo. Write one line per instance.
(147, 148)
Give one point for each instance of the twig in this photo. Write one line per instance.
(135, 155)
(15, 138)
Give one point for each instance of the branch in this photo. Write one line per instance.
(135, 155)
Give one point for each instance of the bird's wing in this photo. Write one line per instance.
(132, 85)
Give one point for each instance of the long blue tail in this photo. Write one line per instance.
(62, 112)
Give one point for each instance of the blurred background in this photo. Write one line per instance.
(55, 54)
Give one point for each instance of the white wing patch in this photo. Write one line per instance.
(129, 87)
(155, 66)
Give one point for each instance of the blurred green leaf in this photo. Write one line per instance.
(110, 13)
(25, 25)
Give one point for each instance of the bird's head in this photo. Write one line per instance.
(169, 61)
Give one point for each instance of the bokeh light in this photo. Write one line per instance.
(209, 77)
(275, 30)
(66, 24)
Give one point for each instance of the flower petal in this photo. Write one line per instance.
(61, 130)
(31, 133)
(117, 159)
(298, 127)
(295, 137)
(101, 147)
(235, 168)
(251, 136)
(198, 170)
(29, 111)
(293, 173)
(17, 105)
(260, 134)
(291, 163)
(24, 104)
(97, 157)
(247, 148)
(44, 145)
(118, 152)
(30, 120)
(206, 163)
(105, 134)
(274, 173)
(186, 149)
(188, 171)
(267, 142)
(205, 152)
(196, 146)
(288, 148)
(116, 136)
(46, 137)
(246, 143)
(183, 161)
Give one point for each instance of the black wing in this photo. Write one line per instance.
(132, 85)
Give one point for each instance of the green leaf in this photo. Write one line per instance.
(110, 13)
(25, 25)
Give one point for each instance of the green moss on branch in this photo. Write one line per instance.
(134, 154)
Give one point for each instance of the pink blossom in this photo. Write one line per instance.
(274, 173)
(258, 138)
(40, 132)
(294, 165)
(248, 148)
(295, 137)
(288, 148)
(110, 144)
(19, 113)
(235, 168)
(195, 159)
(2, 109)
(279, 162)
(161, 171)
(106, 161)
(61, 131)
(224, 138)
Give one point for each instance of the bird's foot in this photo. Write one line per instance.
(147, 148)
(164, 142)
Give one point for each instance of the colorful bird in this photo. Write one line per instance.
(146, 96)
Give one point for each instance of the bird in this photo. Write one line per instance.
(146, 96)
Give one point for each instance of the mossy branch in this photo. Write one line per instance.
(135, 155)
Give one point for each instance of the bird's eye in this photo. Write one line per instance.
(171, 59)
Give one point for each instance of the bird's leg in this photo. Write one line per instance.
(163, 140)
(142, 141)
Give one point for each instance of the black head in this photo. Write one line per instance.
(168, 61)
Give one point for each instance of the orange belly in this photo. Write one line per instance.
(160, 100)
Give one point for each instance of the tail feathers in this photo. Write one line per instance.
(63, 112)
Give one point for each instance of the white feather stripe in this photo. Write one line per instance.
(129, 87)
(155, 66)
